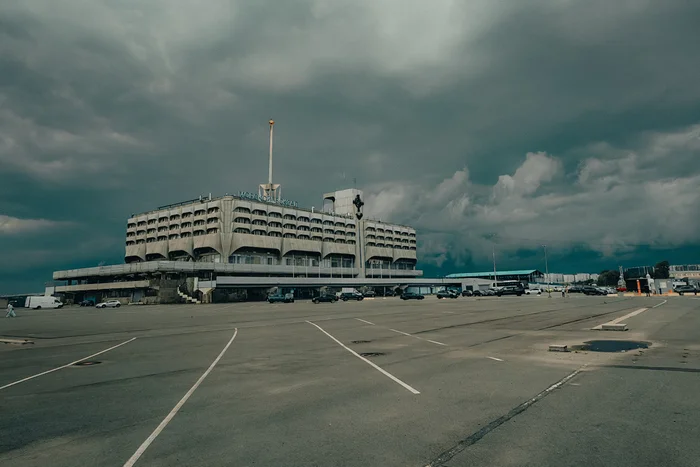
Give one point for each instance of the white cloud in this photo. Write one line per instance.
(616, 204)
(14, 225)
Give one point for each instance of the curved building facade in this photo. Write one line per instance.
(249, 230)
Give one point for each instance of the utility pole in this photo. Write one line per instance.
(546, 268)
(495, 275)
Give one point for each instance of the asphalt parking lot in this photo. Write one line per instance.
(379, 382)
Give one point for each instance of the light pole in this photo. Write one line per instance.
(495, 276)
(546, 273)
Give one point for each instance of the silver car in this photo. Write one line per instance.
(109, 304)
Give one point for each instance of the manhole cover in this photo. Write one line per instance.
(361, 342)
(614, 346)
(372, 354)
(87, 363)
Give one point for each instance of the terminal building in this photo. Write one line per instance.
(196, 249)
(248, 241)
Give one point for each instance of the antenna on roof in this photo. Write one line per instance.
(270, 190)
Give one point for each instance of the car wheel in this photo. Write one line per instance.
(118, 305)
(439, 298)
(315, 301)
(38, 307)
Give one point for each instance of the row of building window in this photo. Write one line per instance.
(174, 217)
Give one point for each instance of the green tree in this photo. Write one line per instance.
(661, 270)
(608, 278)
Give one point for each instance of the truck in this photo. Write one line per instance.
(37, 302)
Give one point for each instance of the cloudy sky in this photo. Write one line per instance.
(506, 124)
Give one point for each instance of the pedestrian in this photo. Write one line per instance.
(10, 311)
(563, 292)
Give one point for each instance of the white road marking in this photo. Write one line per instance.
(411, 335)
(139, 452)
(494, 358)
(662, 303)
(66, 365)
(364, 321)
(436, 342)
(373, 365)
(622, 318)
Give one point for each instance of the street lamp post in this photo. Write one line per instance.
(495, 276)
(546, 269)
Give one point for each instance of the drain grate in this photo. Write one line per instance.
(372, 354)
(361, 342)
(87, 363)
(613, 346)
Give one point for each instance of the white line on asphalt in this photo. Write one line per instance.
(367, 322)
(436, 342)
(411, 335)
(622, 318)
(139, 452)
(376, 367)
(66, 365)
(658, 305)
(494, 358)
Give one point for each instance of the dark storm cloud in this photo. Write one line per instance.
(109, 108)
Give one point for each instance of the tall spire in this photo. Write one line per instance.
(270, 190)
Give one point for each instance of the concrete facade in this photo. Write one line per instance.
(233, 230)
(248, 241)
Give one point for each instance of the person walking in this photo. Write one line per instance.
(10, 311)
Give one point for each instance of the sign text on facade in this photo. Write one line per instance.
(267, 199)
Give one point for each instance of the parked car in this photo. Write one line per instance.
(590, 290)
(411, 296)
(281, 298)
(447, 294)
(683, 289)
(467, 293)
(109, 304)
(575, 289)
(326, 298)
(87, 303)
(345, 296)
(489, 292)
(533, 291)
(510, 290)
(369, 294)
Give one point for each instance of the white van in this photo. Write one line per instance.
(42, 302)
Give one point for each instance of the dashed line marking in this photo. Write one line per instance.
(363, 320)
(419, 338)
(494, 358)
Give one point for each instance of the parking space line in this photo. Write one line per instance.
(494, 358)
(373, 365)
(364, 321)
(435, 342)
(139, 452)
(66, 365)
(659, 304)
(420, 338)
(621, 318)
